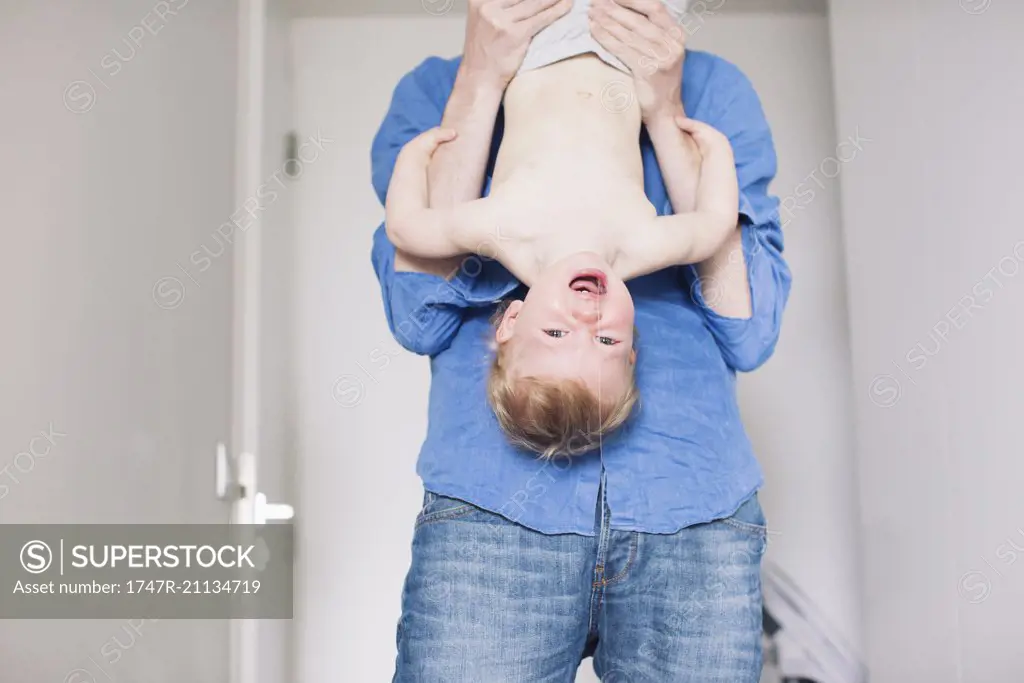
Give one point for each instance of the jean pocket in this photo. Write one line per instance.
(749, 517)
(437, 507)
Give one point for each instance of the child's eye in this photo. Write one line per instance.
(555, 333)
(607, 341)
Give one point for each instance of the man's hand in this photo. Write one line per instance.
(498, 33)
(645, 37)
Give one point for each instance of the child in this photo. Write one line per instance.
(568, 216)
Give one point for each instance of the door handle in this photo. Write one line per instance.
(271, 512)
(235, 483)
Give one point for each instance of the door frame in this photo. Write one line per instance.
(249, 145)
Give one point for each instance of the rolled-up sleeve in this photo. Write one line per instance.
(424, 311)
(746, 343)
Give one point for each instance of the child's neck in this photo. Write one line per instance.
(547, 250)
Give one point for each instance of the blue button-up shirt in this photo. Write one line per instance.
(684, 457)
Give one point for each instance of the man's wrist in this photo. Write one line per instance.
(481, 84)
(664, 114)
(664, 103)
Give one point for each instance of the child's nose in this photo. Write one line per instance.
(587, 314)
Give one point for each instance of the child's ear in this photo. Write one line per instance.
(632, 356)
(508, 322)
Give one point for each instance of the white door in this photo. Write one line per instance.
(272, 161)
(122, 301)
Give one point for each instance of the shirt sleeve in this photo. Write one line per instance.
(746, 343)
(423, 311)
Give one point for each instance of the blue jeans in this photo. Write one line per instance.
(489, 601)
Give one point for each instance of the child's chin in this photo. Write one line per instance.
(586, 259)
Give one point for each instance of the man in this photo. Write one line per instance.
(568, 216)
(647, 554)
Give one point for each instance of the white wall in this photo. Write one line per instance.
(360, 435)
(929, 212)
(362, 399)
(797, 407)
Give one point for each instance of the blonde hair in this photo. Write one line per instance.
(552, 418)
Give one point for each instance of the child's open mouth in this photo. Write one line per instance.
(589, 282)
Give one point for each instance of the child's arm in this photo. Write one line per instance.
(679, 160)
(415, 228)
(692, 237)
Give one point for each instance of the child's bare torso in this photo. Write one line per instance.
(568, 176)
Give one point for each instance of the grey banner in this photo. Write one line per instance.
(145, 571)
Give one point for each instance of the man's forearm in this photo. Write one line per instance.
(723, 271)
(456, 171)
(724, 275)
